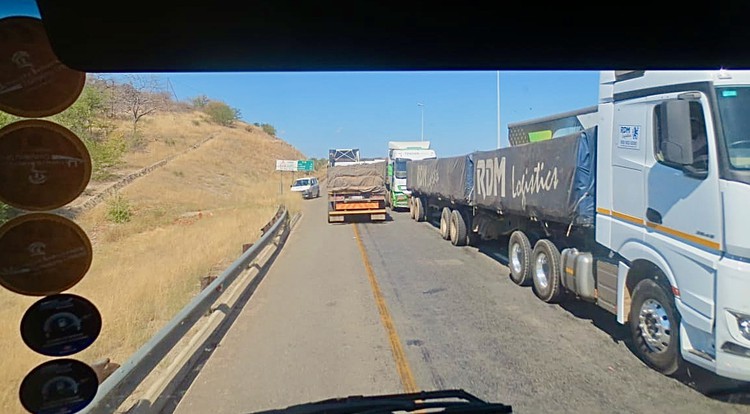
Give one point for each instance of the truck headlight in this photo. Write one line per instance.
(743, 323)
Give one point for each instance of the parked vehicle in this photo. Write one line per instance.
(308, 186)
(638, 205)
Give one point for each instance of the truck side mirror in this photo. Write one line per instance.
(675, 140)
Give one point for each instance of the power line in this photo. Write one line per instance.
(169, 82)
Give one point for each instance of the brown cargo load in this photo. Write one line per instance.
(357, 178)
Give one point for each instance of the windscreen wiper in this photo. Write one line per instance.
(444, 401)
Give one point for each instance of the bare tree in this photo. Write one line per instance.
(141, 96)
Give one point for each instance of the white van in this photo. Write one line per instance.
(308, 186)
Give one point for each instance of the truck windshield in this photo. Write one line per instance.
(302, 182)
(399, 169)
(734, 107)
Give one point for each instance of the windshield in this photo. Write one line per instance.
(154, 255)
(399, 169)
(734, 109)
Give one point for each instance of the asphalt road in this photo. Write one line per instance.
(314, 330)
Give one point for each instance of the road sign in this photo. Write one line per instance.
(306, 165)
(286, 165)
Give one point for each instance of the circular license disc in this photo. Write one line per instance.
(43, 165)
(42, 254)
(60, 386)
(33, 82)
(61, 325)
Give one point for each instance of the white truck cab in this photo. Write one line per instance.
(673, 202)
(399, 153)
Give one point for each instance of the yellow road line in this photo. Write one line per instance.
(402, 365)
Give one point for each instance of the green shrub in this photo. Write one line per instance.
(119, 210)
(221, 113)
(6, 119)
(106, 154)
(4, 213)
(269, 129)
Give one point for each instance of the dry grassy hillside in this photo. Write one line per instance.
(187, 219)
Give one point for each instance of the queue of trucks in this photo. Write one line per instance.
(363, 188)
(640, 205)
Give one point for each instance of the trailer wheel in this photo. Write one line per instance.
(655, 327)
(411, 207)
(418, 209)
(457, 229)
(445, 219)
(519, 258)
(546, 271)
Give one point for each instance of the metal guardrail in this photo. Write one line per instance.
(122, 382)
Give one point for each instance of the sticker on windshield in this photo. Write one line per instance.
(61, 325)
(60, 386)
(43, 165)
(43, 254)
(629, 137)
(33, 82)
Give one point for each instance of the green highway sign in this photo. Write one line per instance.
(306, 165)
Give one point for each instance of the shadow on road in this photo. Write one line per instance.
(364, 219)
(715, 387)
(697, 378)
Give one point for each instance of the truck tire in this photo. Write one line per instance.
(457, 229)
(418, 209)
(546, 271)
(445, 219)
(519, 258)
(655, 327)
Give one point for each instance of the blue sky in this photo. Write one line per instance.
(318, 111)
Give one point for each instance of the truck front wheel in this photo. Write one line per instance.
(445, 219)
(519, 258)
(546, 271)
(655, 327)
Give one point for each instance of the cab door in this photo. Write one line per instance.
(683, 214)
